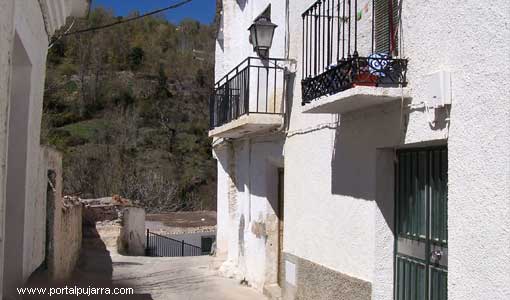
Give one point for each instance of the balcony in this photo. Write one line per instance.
(350, 60)
(249, 99)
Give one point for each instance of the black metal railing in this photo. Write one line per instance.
(331, 56)
(355, 71)
(163, 246)
(254, 86)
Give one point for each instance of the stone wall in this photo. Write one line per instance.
(132, 233)
(117, 211)
(104, 209)
(100, 213)
(71, 242)
(64, 222)
(304, 280)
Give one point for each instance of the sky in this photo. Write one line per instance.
(201, 10)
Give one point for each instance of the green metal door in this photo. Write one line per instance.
(421, 245)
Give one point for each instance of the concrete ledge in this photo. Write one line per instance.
(273, 292)
(357, 98)
(248, 124)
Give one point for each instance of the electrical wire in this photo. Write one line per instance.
(55, 40)
(129, 20)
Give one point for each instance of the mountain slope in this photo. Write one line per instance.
(128, 107)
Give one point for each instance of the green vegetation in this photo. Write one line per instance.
(87, 130)
(128, 107)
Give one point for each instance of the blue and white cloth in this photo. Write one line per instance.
(378, 63)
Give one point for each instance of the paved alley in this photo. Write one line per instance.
(155, 278)
(181, 278)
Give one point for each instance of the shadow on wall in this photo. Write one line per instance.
(359, 134)
(440, 117)
(290, 80)
(218, 21)
(227, 157)
(363, 159)
(242, 3)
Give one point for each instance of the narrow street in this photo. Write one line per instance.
(177, 278)
(165, 278)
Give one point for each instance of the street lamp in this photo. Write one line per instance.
(261, 35)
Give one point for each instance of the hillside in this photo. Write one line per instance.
(128, 107)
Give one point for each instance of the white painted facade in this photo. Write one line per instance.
(248, 166)
(247, 209)
(339, 202)
(25, 28)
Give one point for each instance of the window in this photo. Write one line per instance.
(386, 26)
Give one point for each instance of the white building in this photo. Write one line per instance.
(25, 29)
(392, 131)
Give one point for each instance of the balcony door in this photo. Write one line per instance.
(421, 246)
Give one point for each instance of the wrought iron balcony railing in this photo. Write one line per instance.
(355, 71)
(255, 86)
(331, 55)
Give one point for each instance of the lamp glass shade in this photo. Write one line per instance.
(261, 34)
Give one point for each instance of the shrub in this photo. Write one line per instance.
(135, 58)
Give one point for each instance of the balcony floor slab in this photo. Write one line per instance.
(247, 125)
(356, 98)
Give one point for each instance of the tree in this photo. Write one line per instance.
(128, 107)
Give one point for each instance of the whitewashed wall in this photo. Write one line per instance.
(223, 219)
(251, 218)
(237, 18)
(24, 29)
(331, 168)
(6, 48)
(341, 224)
(337, 169)
(28, 62)
(29, 25)
(247, 168)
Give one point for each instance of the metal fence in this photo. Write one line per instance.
(163, 246)
(256, 85)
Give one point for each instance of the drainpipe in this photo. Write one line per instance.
(249, 180)
(287, 31)
(289, 70)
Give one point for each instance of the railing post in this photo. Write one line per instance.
(182, 248)
(147, 250)
(211, 110)
(247, 91)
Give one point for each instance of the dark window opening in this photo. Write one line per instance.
(207, 242)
